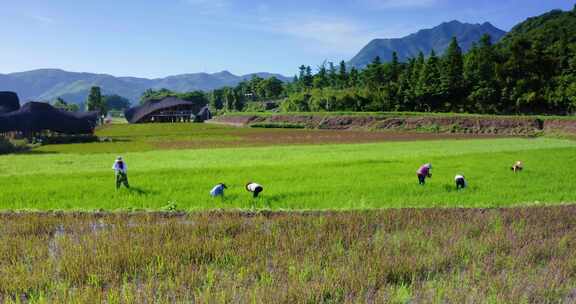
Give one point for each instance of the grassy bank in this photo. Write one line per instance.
(522, 255)
(401, 114)
(354, 176)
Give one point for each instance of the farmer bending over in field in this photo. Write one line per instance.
(121, 172)
(254, 188)
(218, 190)
(460, 182)
(424, 172)
(517, 167)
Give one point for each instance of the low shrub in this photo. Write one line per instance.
(455, 128)
(7, 146)
(431, 128)
(255, 107)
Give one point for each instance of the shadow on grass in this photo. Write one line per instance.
(268, 201)
(138, 191)
(226, 199)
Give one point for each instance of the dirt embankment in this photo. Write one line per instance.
(560, 127)
(523, 126)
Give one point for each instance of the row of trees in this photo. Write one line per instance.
(155, 95)
(61, 104)
(516, 76)
(523, 77)
(246, 93)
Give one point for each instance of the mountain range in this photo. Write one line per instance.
(48, 84)
(437, 39)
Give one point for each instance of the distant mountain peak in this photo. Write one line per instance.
(48, 84)
(437, 38)
(224, 72)
(453, 22)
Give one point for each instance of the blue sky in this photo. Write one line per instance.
(156, 38)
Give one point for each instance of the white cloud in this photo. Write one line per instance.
(390, 4)
(334, 36)
(339, 34)
(315, 32)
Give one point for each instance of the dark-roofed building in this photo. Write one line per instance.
(34, 117)
(170, 109)
(9, 102)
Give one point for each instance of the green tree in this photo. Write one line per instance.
(353, 78)
(332, 75)
(59, 103)
(301, 74)
(116, 102)
(373, 74)
(272, 87)
(480, 77)
(217, 99)
(395, 67)
(254, 89)
(95, 101)
(452, 78)
(342, 75)
(233, 99)
(429, 84)
(151, 94)
(308, 77)
(321, 78)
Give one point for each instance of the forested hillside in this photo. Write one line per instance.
(532, 70)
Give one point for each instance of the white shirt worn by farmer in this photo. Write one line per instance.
(252, 187)
(117, 167)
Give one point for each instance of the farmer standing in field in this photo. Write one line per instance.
(254, 188)
(121, 172)
(218, 190)
(424, 172)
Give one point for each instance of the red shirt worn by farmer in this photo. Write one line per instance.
(423, 172)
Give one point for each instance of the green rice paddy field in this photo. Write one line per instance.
(166, 173)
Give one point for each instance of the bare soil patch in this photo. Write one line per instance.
(272, 137)
(519, 126)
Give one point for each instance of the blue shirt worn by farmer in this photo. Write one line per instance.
(218, 190)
